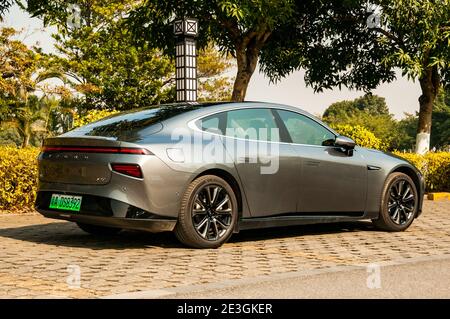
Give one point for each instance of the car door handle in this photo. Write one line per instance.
(312, 163)
(247, 159)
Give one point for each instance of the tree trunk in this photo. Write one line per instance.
(247, 58)
(240, 85)
(429, 84)
(26, 140)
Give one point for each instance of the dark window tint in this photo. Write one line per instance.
(304, 130)
(133, 125)
(254, 124)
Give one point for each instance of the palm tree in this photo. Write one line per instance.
(27, 116)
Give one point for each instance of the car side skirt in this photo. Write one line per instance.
(293, 220)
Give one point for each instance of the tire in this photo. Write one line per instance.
(398, 205)
(207, 221)
(98, 230)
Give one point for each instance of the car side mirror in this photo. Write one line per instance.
(346, 143)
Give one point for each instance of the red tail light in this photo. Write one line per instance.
(86, 149)
(128, 169)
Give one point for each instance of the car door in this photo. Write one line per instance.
(330, 180)
(268, 170)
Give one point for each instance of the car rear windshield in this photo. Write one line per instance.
(133, 125)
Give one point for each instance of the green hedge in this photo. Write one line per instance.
(18, 174)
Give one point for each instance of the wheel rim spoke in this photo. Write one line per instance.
(202, 223)
(401, 202)
(212, 212)
(223, 202)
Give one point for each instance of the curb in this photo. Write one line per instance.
(438, 196)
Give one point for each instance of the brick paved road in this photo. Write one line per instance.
(35, 254)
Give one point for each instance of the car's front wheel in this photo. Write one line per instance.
(208, 213)
(399, 203)
(98, 230)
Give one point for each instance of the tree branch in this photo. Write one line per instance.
(390, 36)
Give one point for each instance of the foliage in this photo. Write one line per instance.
(434, 166)
(103, 65)
(23, 75)
(91, 116)
(4, 6)
(212, 85)
(109, 70)
(440, 130)
(368, 111)
(347, 46)
(18, 177)
(238, 27)
(17, 64)
(406, 132)
(371, 112)
(360, 135)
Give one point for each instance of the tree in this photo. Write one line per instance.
(360, 49)
(419, 34)
(109, 70)
(238, 27)
(369, 111)
(22, 75)
(440, 131)
(4, 6)
(213, 85)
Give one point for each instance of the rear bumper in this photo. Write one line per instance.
(150, 225)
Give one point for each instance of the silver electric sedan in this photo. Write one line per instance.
(206, 171)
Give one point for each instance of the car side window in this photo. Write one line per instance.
(253, 124)
(304, 130)
(211, 123)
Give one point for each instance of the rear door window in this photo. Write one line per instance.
(252, 124)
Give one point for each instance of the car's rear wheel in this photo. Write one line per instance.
(399, 203)
(98, 230)
(208, 213)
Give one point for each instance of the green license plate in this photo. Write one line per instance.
(66, 202)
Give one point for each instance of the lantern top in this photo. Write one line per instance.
(186, 26)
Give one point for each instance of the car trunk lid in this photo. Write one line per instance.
(82, 160)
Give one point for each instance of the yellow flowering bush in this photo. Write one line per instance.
(18, 177)
(434, 166)
(362, 136)
(91, 116)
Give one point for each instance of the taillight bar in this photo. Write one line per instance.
(95, 149)
(133, 170)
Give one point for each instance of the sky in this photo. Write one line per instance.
(401, 95)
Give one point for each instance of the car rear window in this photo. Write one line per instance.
(132, 125)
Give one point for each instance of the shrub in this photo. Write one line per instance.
(434, 166)
(91, 116)
(362, 136)
(18, 177)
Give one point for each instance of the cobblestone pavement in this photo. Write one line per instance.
(36, 254)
